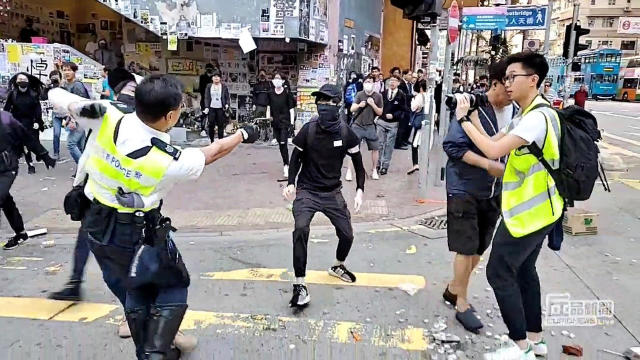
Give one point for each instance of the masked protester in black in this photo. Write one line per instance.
(320, 148)
(205, 79)
(13, 137)
(23, 103)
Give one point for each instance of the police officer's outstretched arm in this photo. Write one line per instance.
(221, 148)
(87, 113)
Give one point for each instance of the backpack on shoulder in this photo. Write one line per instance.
(579, 166)
(350, 94)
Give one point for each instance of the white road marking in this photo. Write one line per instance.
(615, 115)
(620, 138)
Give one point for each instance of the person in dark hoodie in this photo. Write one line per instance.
(23, 103)
(205, 79)
(351, 89)
(260, 93)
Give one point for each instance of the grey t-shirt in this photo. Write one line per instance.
(368, 115)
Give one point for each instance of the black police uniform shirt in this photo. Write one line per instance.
(280, 104)
(322, 157)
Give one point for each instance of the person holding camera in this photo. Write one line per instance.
(531, 204)
(394, 108)
(474, 184)
(366, 108)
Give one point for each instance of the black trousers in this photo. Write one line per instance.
(305, 206)
(27, 154)
(217, 118)
(404, 131)
(512, 274)
(281, 134)
(6, 202)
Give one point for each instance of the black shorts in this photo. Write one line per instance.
(471, 223)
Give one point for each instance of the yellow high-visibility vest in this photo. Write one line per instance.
(530, 199)
(109, 169)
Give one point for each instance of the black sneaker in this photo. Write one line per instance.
(15, 241)
(71, 292)
(341, 272)
(32, 169)
(300, 296)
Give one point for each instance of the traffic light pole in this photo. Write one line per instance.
(576, 11)
(547, 33)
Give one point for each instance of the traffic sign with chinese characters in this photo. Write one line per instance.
(526, 17)
(484, 18)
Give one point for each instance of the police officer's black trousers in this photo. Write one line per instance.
(154, 314)
(305, 206)
(6, 202)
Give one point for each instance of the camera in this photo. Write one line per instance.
(475, 101)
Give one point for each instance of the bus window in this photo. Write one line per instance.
(596, 78)
(618, 58)
(630, 83)
(608, 57)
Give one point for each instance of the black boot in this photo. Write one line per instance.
(137, 319)
(162, 326)
(71, 292)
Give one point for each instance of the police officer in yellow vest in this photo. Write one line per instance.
(531, 204)
(130, 168)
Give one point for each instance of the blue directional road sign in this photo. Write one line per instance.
(483, 22)
(526, 17)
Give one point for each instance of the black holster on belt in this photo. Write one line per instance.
(157, 261)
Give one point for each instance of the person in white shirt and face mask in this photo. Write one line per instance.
(281, 110)
(366, 107)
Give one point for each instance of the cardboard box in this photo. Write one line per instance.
(580, 222)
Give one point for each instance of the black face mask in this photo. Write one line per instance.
(328, 118)
(22, 84)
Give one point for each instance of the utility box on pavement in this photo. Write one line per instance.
(580, 222)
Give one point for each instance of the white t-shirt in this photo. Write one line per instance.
(216, 96)
(504, 115)
(91, 48)
(134, 135)
(531, 127)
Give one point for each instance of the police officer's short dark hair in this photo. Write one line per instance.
(532, 62)
(156, 96)
(497, 71)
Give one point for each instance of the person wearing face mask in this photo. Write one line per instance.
(23, 102)
(76, 134)
(281, 110)
(260, 93)
(366, 108)
(205, 79)
(54, 82)
(104, 55)
(351, 89)
(216, 102)
(129, 168)
(319, 151)
(395, 107)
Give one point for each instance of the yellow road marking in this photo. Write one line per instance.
(18, 258)
(620, 150)
(631, 183)
(391, 229)
(85, 312)
(31, 308)
(317, 277)
(411, 339)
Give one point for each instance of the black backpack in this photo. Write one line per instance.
(579, 165)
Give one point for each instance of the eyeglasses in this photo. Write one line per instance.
(511, 77)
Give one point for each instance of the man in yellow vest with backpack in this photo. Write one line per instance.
(531, 201)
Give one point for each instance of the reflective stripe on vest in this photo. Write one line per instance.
(109, 169)
(530, 200)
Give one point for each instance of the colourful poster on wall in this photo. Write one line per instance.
(13, 53)
(173, 42)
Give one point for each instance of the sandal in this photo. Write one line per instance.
(452, 298)
(469, 320)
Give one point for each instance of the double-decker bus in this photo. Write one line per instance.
(599, 72)
(557, 67)
(629, 79)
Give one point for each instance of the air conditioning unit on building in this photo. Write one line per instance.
(532, 45)
(627, 9)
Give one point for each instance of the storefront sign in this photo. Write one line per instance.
(349, 23)
(181, 67)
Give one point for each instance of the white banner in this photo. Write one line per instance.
(629, 25)
(278, 11)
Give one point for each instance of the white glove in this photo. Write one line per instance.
(357, 204)
(36, 126)
(205, 111)
(289, 193)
